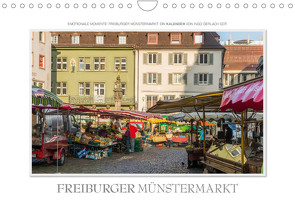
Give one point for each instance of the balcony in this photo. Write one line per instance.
(83, 100)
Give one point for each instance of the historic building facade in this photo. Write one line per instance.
(240, 63)
(153, 66)
(174, 65)
(85, 68)
(41, 56)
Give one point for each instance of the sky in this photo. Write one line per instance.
(224, 36)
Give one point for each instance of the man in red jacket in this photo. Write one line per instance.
(133, 131)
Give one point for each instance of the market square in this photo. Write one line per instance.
(147, 102)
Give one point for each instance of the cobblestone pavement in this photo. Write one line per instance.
(151, 161)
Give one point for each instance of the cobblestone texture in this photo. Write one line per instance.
(151, 161)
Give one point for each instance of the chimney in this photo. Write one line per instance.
(230, 39)
(248, 39)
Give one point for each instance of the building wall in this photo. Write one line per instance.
(177, 90)
(41, 76)
(108, 77)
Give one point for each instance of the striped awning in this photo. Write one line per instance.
(41, 97)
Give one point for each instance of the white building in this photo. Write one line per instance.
(187, 65)
(41, 59)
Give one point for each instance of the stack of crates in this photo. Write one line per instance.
(138, 145)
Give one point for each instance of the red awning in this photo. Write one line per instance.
(248, 96)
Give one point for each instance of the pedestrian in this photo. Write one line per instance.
(169, 136)
(228, 134)
(133, 131)
(127, 139)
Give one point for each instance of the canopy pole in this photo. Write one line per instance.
(242, 137)
(204, 130)
(192, 126)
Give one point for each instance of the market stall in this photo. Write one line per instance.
(204, 103)
(49, 139)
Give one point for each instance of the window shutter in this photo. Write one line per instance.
(197, 59)
(184, 78)
(145, 78)
(145, 57)
(170, 62)
(211, 58)
(159, 79)
(210, 79)
(196, 79)
(185, 59)
(159, 58)
(170, 79)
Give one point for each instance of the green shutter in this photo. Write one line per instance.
(159, 58)
(197, 59)
(211, 58)
(170, 79)
(159, 79)
(196, 79)
(210, 79)
(145, 57)
(185, 59)
(144, 78)
(184, 78)
(170, 61)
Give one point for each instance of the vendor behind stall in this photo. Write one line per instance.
(88, 126)
(103, 132)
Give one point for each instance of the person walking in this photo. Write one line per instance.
(169, 135)
(127, 139)
(133, 131)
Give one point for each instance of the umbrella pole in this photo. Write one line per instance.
(192, 126)
(204, 130)
(242, 137)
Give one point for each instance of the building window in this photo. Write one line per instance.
(203, 79)
(120, 62)
(75, 39)
(152, 38)
(99, 89)
(244, 77)
(42, 37)
(204, 59)
(99, 39)
(177, 58)
(169, 97)
(123, 85)
(61, 88)
(99, 64)
(122, 39)
(54, 39)
(198, 39)
(151, 101)
(84, 64)
(42, 61)
(84, 88)
(61, 64)
(81, 88)
(231, 79)
(177, 78)
(152, 79)
(152, 58)
(175, 38)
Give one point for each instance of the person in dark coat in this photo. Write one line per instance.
(228, 134)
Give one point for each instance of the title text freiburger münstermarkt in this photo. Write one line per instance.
(147, 188)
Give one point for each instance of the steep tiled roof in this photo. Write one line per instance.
(242, 57)
(138, 40)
